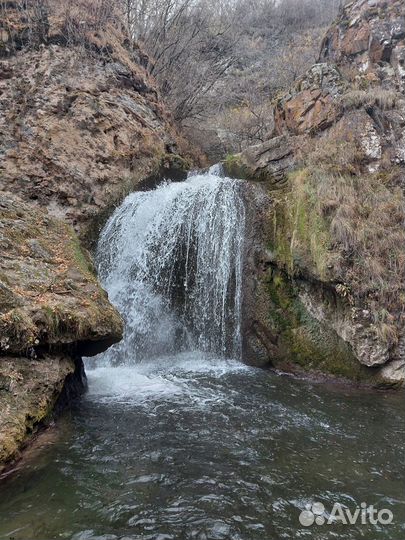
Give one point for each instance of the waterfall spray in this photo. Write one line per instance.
(171, 260)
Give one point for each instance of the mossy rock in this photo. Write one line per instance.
(49, 292)
(299, 233)
(175, 162)
(235, 168)
(305, 342)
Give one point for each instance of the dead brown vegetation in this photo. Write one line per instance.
(383, 98)
(31, 23)
(365, 215)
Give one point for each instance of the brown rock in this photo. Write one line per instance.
(346, 118)
(29, 390)
(374, 36)
(52, 310)
(312, 104)
(356, 40)
(270, 161)
(81, 123)
(49, 295)
(79, 129)
(379, 51)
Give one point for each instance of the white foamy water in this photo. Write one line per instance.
(171, 260)
(174, 378)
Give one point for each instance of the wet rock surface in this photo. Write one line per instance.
(29, 391)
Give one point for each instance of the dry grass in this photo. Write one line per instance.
(365, 216)
(367, 226)
(337, 151)
(94, 25)
(380, 97)
(83, 22)
(92, 29)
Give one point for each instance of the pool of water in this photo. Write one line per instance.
(191, 447)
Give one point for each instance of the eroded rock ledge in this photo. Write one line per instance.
(49, 294)
(52, 311)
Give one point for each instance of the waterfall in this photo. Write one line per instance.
(171, 260)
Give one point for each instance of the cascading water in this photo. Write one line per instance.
(171, 260)
(193, 444)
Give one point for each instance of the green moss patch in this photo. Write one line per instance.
(234, 167)
(300, 234)
(303, 340)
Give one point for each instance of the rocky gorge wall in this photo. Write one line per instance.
(52, 311)
(328, 285)
(81, 125)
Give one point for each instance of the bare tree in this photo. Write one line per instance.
(190, 46)
(214, 60)
(194, 46)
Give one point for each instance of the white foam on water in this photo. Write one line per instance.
(171, 260)
(170, 378)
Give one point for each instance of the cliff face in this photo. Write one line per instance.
(81, 124)
(330, 282)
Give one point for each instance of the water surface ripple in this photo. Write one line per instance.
(193, 447)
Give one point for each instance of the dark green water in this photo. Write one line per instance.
(209, 449)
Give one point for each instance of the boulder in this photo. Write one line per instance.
(271, 160)
(311, 104)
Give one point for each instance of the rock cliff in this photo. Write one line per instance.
(81, 124)
(81, 121)
(52, 311)
(329, 279)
